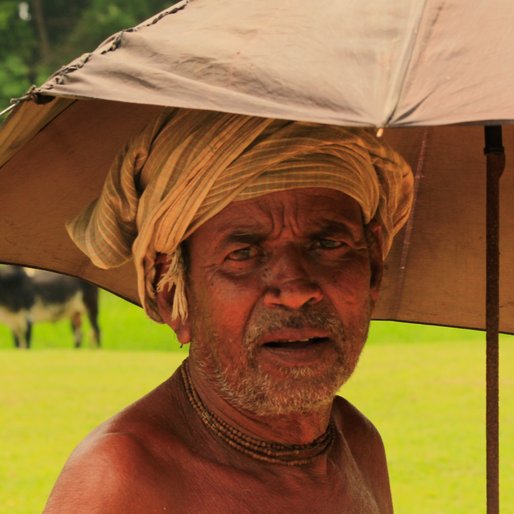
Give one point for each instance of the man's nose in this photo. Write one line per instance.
(290, 284)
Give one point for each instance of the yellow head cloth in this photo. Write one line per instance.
(188, 165)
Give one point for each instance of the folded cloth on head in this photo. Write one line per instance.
(188, 165)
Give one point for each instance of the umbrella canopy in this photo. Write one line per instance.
(389, 63)
(398, 63)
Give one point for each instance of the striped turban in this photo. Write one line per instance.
(188, 165)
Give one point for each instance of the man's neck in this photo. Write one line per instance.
(296, 428)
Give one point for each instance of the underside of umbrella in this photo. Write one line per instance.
(435, 273)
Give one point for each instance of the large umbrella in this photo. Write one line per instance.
(430, 73)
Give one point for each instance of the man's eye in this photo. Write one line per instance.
(327, 244)
(243, 254)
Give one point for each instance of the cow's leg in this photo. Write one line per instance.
(76, 326)
(28, 333)
(95, 330)
(21, 331)
(91, 302)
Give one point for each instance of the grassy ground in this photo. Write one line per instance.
(427, 399)
(422, 386)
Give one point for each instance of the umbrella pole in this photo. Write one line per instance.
(495, 158)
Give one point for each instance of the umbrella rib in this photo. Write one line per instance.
(405, 63)
(418, 175)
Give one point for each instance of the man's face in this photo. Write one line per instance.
(280, 291)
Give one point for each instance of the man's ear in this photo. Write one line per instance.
(375, 244)
(165, 301)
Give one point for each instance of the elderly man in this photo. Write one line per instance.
(260, 242)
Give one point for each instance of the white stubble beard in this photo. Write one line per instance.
(247, 387)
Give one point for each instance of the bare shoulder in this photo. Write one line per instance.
(96, 476)
(120, 466)
(367, 448)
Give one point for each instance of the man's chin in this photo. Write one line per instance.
(299, 390)
(299, 402)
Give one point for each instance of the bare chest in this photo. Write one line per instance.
(199, 486)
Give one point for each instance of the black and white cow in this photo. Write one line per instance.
(30, 296)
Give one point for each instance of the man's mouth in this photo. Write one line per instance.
(296, 344)
(293, 348)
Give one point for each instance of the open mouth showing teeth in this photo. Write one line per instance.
(297, 344)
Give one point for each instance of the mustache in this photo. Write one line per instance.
(316, 317)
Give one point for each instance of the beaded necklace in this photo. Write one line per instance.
(267, 451)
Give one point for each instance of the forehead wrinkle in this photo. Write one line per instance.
(274, 215)
(255, 218)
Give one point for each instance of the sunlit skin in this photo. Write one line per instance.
(281, 287)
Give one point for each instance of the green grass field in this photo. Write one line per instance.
(422, 387)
